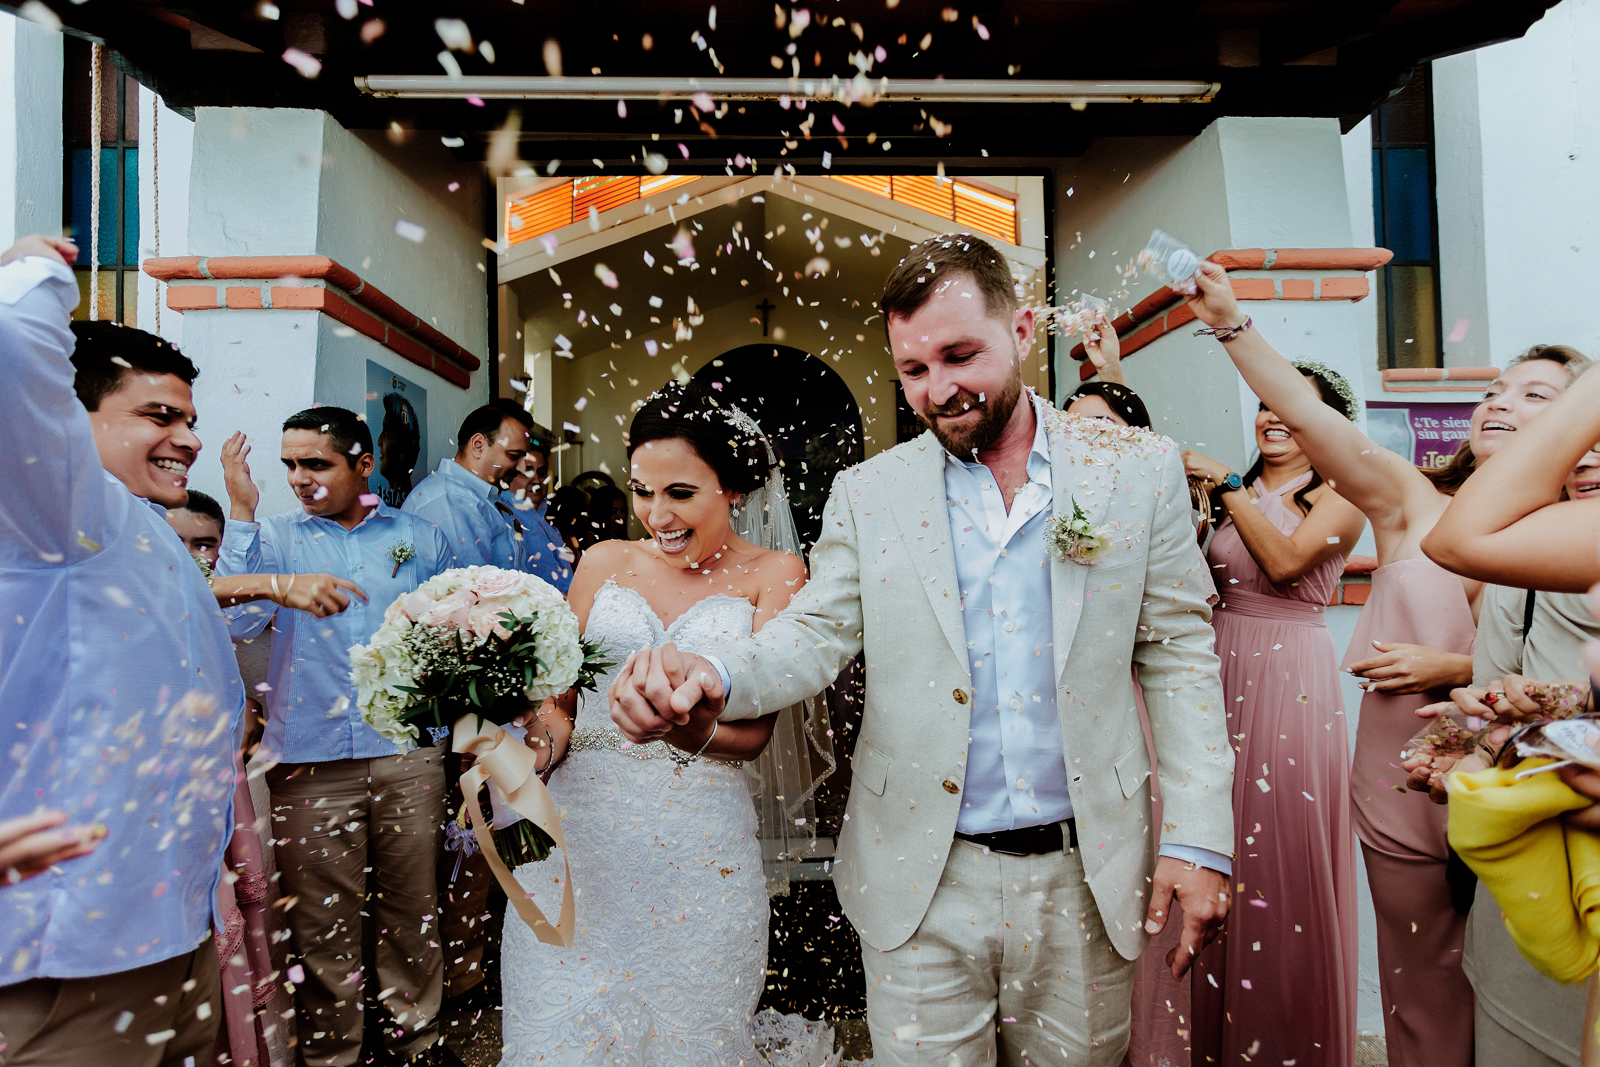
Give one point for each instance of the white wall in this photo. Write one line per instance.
(1242, 183)
(267, 182)
(30, 130)
(1519, 164)
(167, 139)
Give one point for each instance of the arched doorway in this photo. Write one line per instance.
(808, 412)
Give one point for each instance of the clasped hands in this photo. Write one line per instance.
(662, 689)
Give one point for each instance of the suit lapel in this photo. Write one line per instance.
(1070, 469)
(923, 517)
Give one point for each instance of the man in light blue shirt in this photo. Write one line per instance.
(120, 699)
(344, 800)
(464, 497)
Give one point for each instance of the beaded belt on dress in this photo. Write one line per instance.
(594, 739)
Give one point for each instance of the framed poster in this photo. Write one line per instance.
(1427, 433)
(397, 414)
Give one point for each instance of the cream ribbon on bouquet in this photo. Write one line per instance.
(509, 763)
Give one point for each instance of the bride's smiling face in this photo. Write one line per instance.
(680, 501)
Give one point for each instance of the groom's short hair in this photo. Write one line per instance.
(913, 280)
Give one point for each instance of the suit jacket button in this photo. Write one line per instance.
(951, 787)
(960, 695)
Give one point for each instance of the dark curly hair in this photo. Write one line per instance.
(105, 351)
(693, 413)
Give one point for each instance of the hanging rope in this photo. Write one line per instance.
(94, 183)
(155, 188)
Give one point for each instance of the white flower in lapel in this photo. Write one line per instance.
(1076, 539)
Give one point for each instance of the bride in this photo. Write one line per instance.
(665, 845)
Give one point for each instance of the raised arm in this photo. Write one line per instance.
(54, 505)
(1331, 528)
(1388, 490)
(1105, 352)
(1508, 524)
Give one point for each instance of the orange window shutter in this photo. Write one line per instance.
(872, 183)
(603, 194)
(538, 213)
(927, 192)
(988, 213)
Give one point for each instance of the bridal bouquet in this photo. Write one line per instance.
(469, 646)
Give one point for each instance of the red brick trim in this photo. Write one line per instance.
(343, 296)
(1438, 379)
(1164, 310)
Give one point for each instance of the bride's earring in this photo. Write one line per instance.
(733, 508)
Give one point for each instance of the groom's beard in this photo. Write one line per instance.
(994, 413)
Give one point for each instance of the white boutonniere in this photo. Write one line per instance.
(1076, 539)
(404, 552)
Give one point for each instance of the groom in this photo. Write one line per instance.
(997, 855)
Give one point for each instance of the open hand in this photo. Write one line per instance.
(243, 495)
(57, 248)
(1213, 302)
(1204, 897)
(31, 844)
(320, 594)
(1400, 668)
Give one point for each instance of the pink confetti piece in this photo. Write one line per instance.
(297, 974)
(369, 500)
(1258, 903)
(1245, 982)
(475, 101)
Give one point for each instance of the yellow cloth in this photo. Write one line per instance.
(1545, 878)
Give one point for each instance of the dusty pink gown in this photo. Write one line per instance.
(1280, 985)
(1427, 1000)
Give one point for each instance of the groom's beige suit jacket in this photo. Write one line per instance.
(884, 579)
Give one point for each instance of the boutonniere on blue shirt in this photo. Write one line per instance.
(1076, 539)
(404, 552)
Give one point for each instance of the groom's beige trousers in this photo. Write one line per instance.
(1011, 965)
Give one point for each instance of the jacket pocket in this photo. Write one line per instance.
(1132, 769)
(871, 769)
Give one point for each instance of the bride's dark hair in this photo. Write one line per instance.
(694, 414)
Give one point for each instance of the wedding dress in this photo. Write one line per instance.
(670, 955)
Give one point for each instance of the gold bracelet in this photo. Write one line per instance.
(277, 596)
(290, 587)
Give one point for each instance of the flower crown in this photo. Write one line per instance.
(1352, 405)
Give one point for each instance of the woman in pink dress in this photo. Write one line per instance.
(1422, 619)
(1279, 985)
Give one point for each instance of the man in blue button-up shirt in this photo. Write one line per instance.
(344, 800)
(548, 557)
(119, 695)
(465, 496)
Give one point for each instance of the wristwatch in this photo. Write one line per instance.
(1231, 483)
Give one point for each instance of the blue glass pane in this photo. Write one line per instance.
(1377, 198)
(107, 252)
(1407, 204)
(130, 184)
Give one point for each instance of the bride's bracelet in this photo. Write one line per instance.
(683, 759)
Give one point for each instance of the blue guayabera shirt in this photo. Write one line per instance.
(312, 716)
(485, 528)
(106, 625)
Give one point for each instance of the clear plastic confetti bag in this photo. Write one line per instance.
(1170, 260)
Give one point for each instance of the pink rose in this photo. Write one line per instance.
(414, 604)
(496, 582)
(452, 610)
(484, 619)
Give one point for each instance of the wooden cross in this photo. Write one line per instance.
(766, 307)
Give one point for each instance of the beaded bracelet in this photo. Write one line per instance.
(1225, 333)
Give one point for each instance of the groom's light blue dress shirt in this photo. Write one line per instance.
(107, 624)
(312, 716)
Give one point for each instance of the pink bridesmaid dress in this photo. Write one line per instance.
(1427, 1000)
(1279, 986)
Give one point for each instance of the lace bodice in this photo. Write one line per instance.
(624, 620)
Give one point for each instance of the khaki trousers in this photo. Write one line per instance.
(1010, 965)
(162, 1015)
(333, 824)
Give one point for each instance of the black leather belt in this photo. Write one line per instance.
(1027, 841)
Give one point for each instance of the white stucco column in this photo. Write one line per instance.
(1243, 183)
(274, 195)
(30, 130)
(165, 158)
